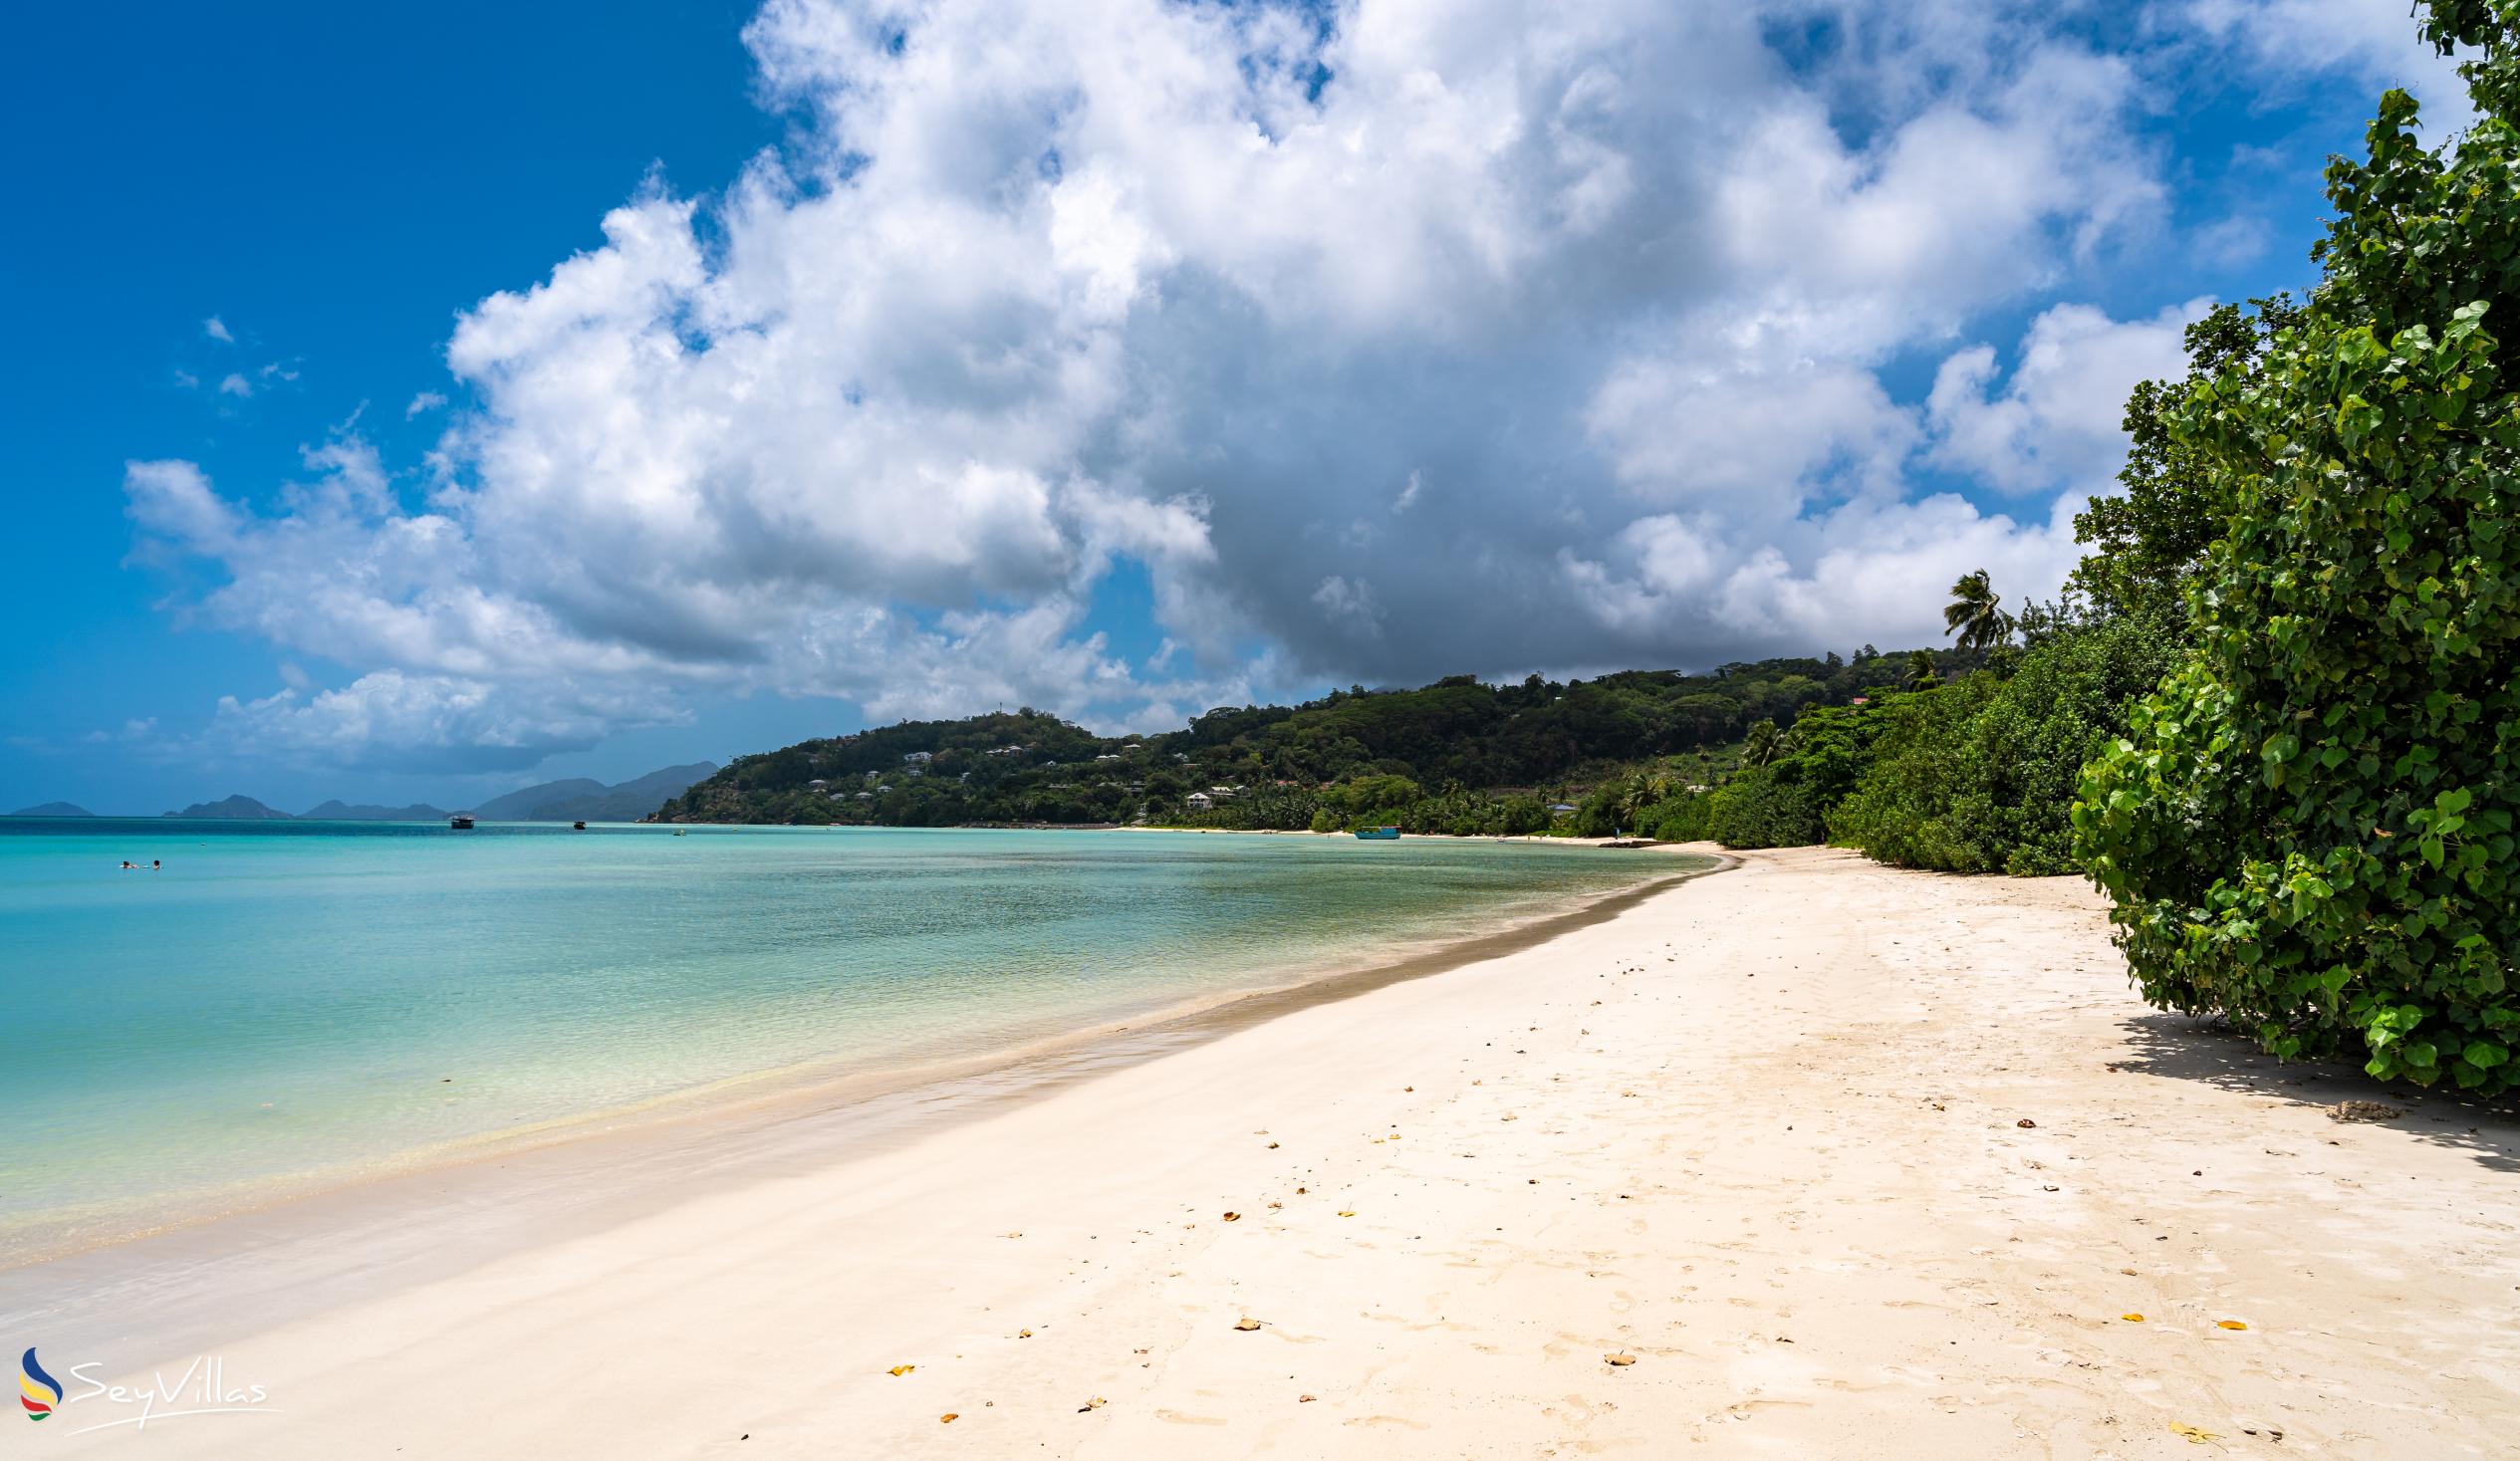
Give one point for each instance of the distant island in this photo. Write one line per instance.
(54, 809)
(229, 808)
(348, 811)
(578, 799)
(582, 800)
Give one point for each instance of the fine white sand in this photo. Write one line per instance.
(1768, 1134)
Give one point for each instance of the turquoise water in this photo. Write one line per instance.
(302, 1000)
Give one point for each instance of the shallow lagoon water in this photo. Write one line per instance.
(291, 1001)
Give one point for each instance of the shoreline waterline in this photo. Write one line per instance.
(345, 1239)
(290, 1009)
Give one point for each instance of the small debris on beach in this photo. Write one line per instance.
(1620, 1361)
(2229, 1324)
(901, 1370)
(1246, 1325)
(949, 1418)
(1233, 1217)
(2364, 1110)
(2025, 1124)
(1097, 1403)
(2131, 1318)
(1306, 1399)
(2195, 1436)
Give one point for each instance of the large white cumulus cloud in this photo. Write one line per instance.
(1390, 339)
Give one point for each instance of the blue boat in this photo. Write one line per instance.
(1379, 834)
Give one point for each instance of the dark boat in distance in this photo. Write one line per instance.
(1379, 834)
(577, 825)
(459, 823)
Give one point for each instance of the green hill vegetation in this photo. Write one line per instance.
(1457, 756)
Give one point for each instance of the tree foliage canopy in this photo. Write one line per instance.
(2309, 827)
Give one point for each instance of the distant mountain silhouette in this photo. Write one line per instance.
(345, 812)
(54, 809)
(578, 799)
(233, 808)
(582, 800)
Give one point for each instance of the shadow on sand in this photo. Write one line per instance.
(2186, 1047)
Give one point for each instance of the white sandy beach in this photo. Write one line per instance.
(1769, 1132)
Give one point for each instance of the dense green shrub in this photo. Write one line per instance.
(2310, 828)
(1924, 763)
(1786, 802)
(1979, 776)
(1678, 819)
(1757, 809)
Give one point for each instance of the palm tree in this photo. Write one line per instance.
(1976, 614)
(1759, 747)
(1920, 673)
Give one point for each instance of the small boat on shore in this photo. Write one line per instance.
(459, 823)
(1379, 834)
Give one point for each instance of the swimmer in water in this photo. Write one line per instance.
(153, 864)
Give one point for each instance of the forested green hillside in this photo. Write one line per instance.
(1457, 755)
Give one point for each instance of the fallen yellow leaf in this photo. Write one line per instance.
(902, 1369)
(1346, 1212)
(2131, 1318)
(1247, 1323)
(2229, 1324)
(2195, 1436)
(949, 1418)
(1097, 1403)
(1023, 1333)
(1622, 1360)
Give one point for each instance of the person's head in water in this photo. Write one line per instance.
(126, 863)
(153, 865)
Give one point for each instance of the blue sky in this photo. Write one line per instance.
(830, 365)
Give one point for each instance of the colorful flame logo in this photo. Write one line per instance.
(38, 1391)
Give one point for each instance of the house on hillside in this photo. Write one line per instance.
(917, 758)
(1201, 801)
